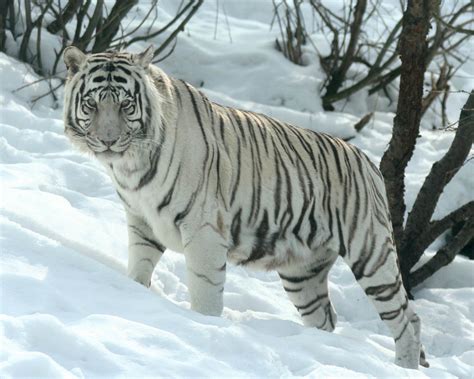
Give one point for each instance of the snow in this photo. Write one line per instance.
(67, 309)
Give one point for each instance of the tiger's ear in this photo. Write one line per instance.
(73, 58)
(144, 58)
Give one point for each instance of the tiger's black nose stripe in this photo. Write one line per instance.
(109, 67)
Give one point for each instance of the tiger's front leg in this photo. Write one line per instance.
(206, 253)
(144, 251)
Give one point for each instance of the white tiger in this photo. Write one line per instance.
(221, 184)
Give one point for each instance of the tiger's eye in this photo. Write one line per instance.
(91, 103)
(125, 104)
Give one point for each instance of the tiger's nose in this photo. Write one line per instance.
(109, 142)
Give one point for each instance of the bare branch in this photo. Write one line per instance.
(109, 28)
(445, 74)
(64, 17)
(84, 40)
(26, 35)
(445, 255)
(338, 74)
(180, 27)
(363, 121)
(122, 37)
(80, 19)
(175, 19)
(441, 173)
(438, 227)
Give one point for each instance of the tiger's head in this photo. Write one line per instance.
(108, 101)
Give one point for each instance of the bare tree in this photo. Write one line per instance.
(352, 44)
(382, 71)
(94, 27)
(87, 25)
(410, 40)
(420, 231)
(292, 31)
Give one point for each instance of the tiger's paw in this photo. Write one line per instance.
(423, 361)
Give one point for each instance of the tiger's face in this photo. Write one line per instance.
(107, 107)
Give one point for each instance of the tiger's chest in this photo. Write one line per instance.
(143, 204)
(164, 228)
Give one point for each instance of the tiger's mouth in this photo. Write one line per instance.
(109, 154)
(108, 148)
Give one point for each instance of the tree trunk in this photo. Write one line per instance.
(406, 124)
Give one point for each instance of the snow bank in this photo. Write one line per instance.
(67, 309)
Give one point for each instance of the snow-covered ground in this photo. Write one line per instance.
(68, 310)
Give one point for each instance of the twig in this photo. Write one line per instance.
(216, 20)
(444, 91)
(363, 121)
(444, 100)
(175, 43)
(180, 27)
(445, 255)
(161, 30)
(33, 83)
(123, 36)
(227, 23)
(51, 91)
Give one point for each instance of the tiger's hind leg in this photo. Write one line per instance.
(376, 270)
(307, 288)
(416, 323)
